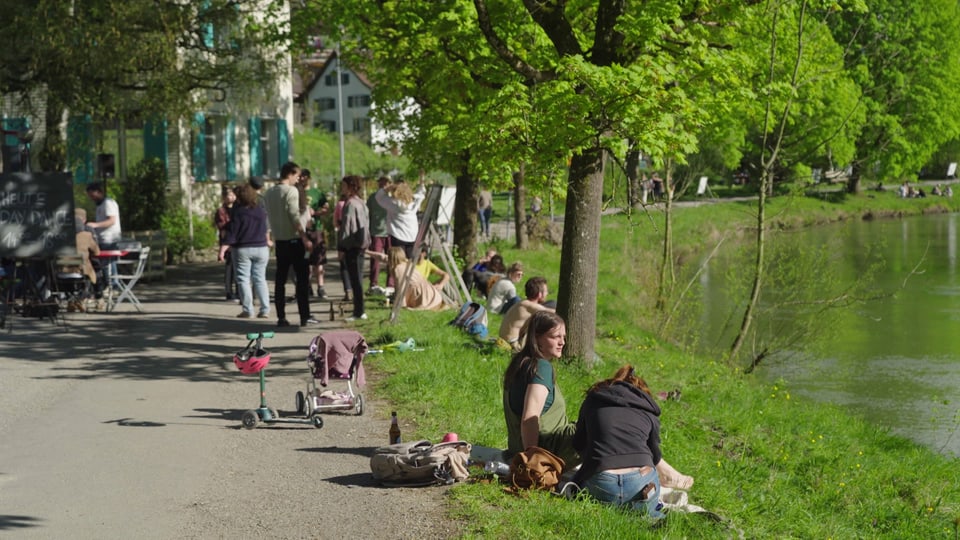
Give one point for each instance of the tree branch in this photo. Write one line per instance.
(529, 73)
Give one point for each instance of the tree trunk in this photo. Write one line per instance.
(667, 276)
(853, 182)
(53, 156)
(465, 213)
(577, 291)
(758, 266)
(633, 176)
(519, 207)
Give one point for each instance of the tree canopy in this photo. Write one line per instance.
(111, 58)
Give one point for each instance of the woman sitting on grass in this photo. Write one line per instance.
(534, 408)
(418, 293)
(618, 436)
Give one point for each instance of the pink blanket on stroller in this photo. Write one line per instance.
(333, 352)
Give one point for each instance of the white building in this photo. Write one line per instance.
(326, 103)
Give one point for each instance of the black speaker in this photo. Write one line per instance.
(105, 164)
(12, 158)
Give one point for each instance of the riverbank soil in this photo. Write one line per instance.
(127, 425)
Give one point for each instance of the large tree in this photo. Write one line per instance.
(603, 73)
(117, 58)
(904, 56)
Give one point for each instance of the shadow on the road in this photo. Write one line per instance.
(366, 451)
(9, 523)
(358, 479)
(188, 336)
(130, 422)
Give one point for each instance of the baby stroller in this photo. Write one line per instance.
(337, 356)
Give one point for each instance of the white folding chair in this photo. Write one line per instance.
(128, 280)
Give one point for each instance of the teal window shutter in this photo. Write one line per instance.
(206, 29)
(230, 150)
(16, 125)
(256, 160)
(199, 148)
(155, 142)
(80, 148)
(283, 141)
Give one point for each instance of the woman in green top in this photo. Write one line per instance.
(533, 406)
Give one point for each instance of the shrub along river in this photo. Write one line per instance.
(892, 356)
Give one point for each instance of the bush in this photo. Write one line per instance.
(142, 198)
(175, 222)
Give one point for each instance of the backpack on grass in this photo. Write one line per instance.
(472, 319)
(420, 463)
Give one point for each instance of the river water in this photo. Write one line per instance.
(893, 359)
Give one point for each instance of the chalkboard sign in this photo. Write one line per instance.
(36, 215)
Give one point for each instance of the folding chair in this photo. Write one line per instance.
(128, 280)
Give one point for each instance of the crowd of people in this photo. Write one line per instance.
(295, 219)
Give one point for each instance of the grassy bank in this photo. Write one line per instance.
(774, 465)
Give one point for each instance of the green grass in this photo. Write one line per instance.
(774, 465)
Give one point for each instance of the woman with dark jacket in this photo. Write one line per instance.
(247, 238)
(618, 438)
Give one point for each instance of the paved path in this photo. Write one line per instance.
(126, 425)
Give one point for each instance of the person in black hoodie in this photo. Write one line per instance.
(618, 438)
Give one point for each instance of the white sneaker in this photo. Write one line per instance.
(362, 317)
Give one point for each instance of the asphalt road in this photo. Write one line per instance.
(127, 425)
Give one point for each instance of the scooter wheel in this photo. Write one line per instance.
(250, 419)
(317, 421)
(359, 405)
(301, 403)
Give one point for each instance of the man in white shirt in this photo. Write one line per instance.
(106, 228)
(107, 224)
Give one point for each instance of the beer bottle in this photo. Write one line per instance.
(394, 429)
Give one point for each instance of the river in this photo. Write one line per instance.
(893, 359)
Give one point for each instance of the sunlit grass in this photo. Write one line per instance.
(774, 465)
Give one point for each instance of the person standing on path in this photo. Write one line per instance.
(485, 211)
(319, 208)
(221, 219)
(106, 227)
(379, 241)
(247, 239)
(282, 203)
(354, 238)
(402, 204)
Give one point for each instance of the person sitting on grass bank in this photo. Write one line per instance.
(418, 293)
(503, 293)
(618, 436)
(533, 406)
(515, 317)
(427, 269)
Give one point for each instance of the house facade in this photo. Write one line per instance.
(332, 96)
(222, 142)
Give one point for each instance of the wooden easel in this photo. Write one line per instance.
(455, 290)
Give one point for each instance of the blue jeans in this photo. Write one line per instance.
(252, 267)
(626, 490)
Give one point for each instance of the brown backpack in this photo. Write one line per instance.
(536, 468)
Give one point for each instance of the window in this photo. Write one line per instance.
(214, 128)
(331, 79)
(358, 101)
(325, 104)
(361, 125)
(328, 125)
(268, 145)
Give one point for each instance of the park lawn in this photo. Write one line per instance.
(773, 465)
